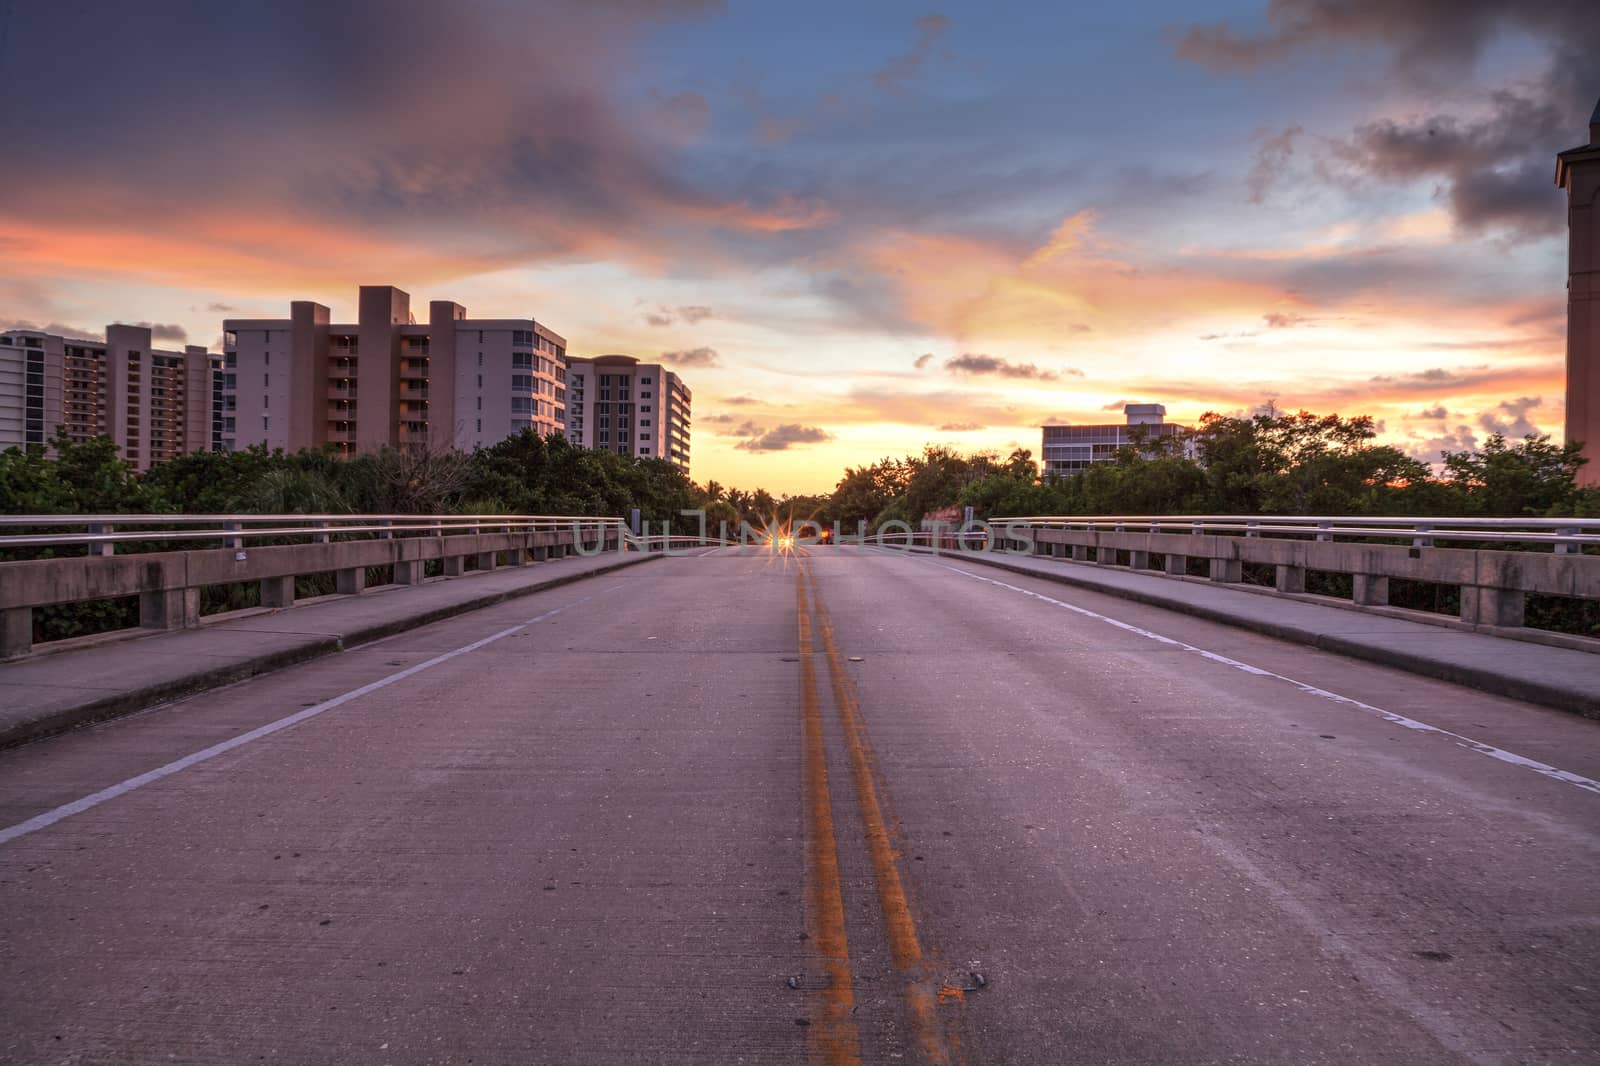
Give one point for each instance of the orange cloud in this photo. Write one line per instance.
(967, 287)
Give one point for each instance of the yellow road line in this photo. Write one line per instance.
(832, 1039)
(900, 928)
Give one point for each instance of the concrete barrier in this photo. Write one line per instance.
(1494, 583)
(168, 584)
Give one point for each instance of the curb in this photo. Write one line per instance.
(1580, 701)
(121, 704)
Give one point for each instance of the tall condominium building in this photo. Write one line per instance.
(632, 408)
(154, 404)
(1578, 171)
(388, 380)
(1069, 449)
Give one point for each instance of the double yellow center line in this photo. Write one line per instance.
(834, 1038)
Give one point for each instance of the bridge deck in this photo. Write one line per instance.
(585, 826)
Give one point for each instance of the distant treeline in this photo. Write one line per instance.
(1268, 463)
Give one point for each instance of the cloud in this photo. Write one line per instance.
(702, 357)
(1489, 155)
(1425, 36)
(1285, 319)
(60, 329)
(978, 363)
(475, 161)
(1272, 158)
(902, 69)
(740, 401)
(684, 115)
(1437, 413)
(693, 314)
(923, 360)
(1509, 418)
(784, 437)
(961, 427)
(163, 332)
(221, 309)
(1115, 405)
(1429, 449)
(1494, 166)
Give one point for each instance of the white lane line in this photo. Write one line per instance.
(1567, 776)
(122, 788)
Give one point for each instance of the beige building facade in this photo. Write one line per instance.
(388, 380)
(1578, 171)
(153, 403)
(1070, 449)
(616, 403)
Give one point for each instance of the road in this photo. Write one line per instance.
(856, 807)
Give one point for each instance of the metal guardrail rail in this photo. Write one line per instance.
(102, 533)
(1494, 564)
(1554, 531)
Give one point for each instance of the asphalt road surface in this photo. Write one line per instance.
(852, 808)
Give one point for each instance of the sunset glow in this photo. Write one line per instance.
(852, 233)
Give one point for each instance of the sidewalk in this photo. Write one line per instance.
(54, 692)
(1564, 678)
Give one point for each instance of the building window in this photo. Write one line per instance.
(267, 359)
(266, 423)
(480, 425)
(480, 341)
(480, 403)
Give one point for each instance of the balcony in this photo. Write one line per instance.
(341, 392)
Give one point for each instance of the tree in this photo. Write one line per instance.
(1534, 477)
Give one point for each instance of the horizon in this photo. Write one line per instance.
(854, 234)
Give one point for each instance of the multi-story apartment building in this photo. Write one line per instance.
(1069, 449)
(154, 404)
(619, 404)
(388, 380)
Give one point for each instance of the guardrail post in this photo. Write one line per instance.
(16, 632)
(454, 565)
(1080, 553)
(1370, 590)
(488, 560)
(107, 548)
(1287, 578)
(408, 572)
(1177, 565)
(1492, 607)
(1138, 560)
(1422, 540)
(1324, 531)
(169, 609)
(233, 543)
(1566, 549)
(1227, 570)
(1252, 529)
(1105, 556)
(350, 581)
(386, 534)
(277, 591)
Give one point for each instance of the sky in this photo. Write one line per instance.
(853, 229)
